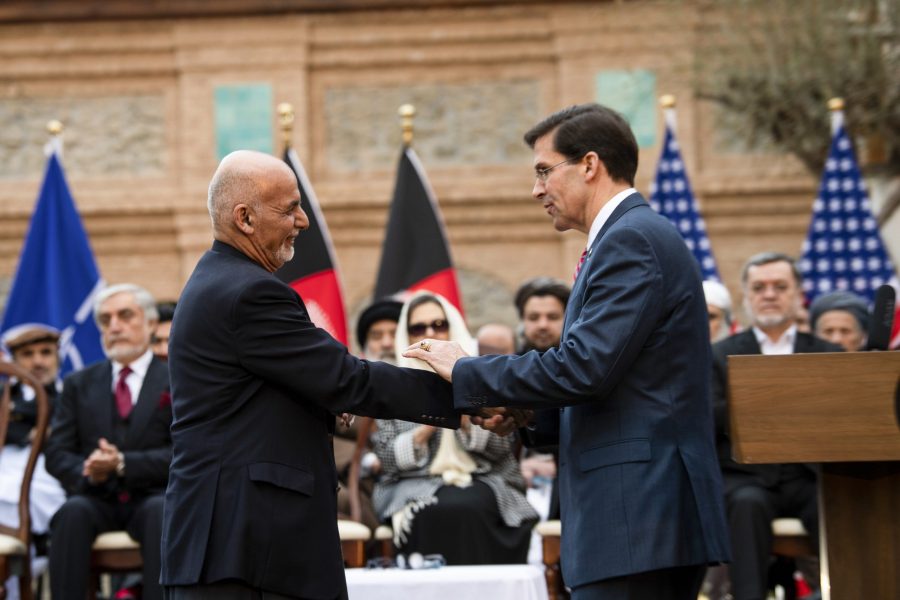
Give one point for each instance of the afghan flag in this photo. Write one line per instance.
(314, 274)
(416, 255)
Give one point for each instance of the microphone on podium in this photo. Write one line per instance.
(882, 319)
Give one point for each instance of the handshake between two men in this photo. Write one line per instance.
(442, 357)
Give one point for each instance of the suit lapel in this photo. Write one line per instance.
(748, 343)
(147, 403)
(101, 397)
(575, 299)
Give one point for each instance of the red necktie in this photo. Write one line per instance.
(580, 263)
(123, 394)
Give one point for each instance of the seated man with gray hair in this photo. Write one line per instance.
(110, 445)
(841, 318)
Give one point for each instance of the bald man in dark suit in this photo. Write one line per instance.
(251, 505)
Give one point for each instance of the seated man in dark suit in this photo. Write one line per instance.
(251, 505)
(757, 494)
(110, 446)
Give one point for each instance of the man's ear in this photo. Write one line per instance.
(243, 218)
(593, 166)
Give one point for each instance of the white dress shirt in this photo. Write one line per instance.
(135, 379)
(783, 345)
(604, 214)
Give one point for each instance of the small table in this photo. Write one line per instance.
(496, 582)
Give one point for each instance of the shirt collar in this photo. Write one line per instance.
(138, 366)
(789, 336)
(605, 212)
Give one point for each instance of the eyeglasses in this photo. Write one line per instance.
(438, 326)
(543, 174)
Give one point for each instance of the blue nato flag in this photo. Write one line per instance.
(57, 277)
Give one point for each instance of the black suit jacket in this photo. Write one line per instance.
(745, 343)
(86, 412)
(252, 490)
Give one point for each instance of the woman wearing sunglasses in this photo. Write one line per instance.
(455, 493)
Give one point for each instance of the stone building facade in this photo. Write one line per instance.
(151, 98)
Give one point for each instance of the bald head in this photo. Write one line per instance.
(254, 205)
(496, 338)
(244, 176)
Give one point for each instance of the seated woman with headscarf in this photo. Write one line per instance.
(455, 493)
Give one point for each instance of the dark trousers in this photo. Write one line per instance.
(224, 590)
(678, 583)
(78, 523)
(751, 508)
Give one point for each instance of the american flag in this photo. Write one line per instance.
(843, 249)
(671, 196)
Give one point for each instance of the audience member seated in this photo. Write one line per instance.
(757, 494)
(718, 305)
(110, 446)
(841, 318)
(541, 304)
(35, 348)
(454, 493)
(159, 340)
(375, 332)
(495, 338)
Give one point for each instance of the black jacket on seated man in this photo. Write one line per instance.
(85, 413)
(755, 494)
(23, 415)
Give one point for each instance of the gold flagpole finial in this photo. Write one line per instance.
(407, 112)
(667, 101)
(836, 104)
(286, 120)
(54, 127)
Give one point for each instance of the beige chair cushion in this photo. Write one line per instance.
(383, 532)
(11, 546)
(351, 530)
(115, 540)
(549, 528)
(788, 527)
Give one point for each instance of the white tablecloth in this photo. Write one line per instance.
(490, 582)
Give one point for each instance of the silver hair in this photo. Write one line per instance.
(143, 298)
(764, 258)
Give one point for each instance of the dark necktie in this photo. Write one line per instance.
(123, 394)
(580, 263)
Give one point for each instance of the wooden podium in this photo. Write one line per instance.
(840, 410)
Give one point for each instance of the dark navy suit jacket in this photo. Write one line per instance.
(252, 492)
(640, 487)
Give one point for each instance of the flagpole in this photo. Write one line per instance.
(836, 106)
(54, 144)
(407, 113)
(286, 121)
(667, 102)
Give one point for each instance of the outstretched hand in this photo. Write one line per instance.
(502, 421)
(440, 356)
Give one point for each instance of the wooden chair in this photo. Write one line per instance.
(113, 552)
(550, 532)
(384, 535)
(15, 543)
(353, 542)
(791, 539)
